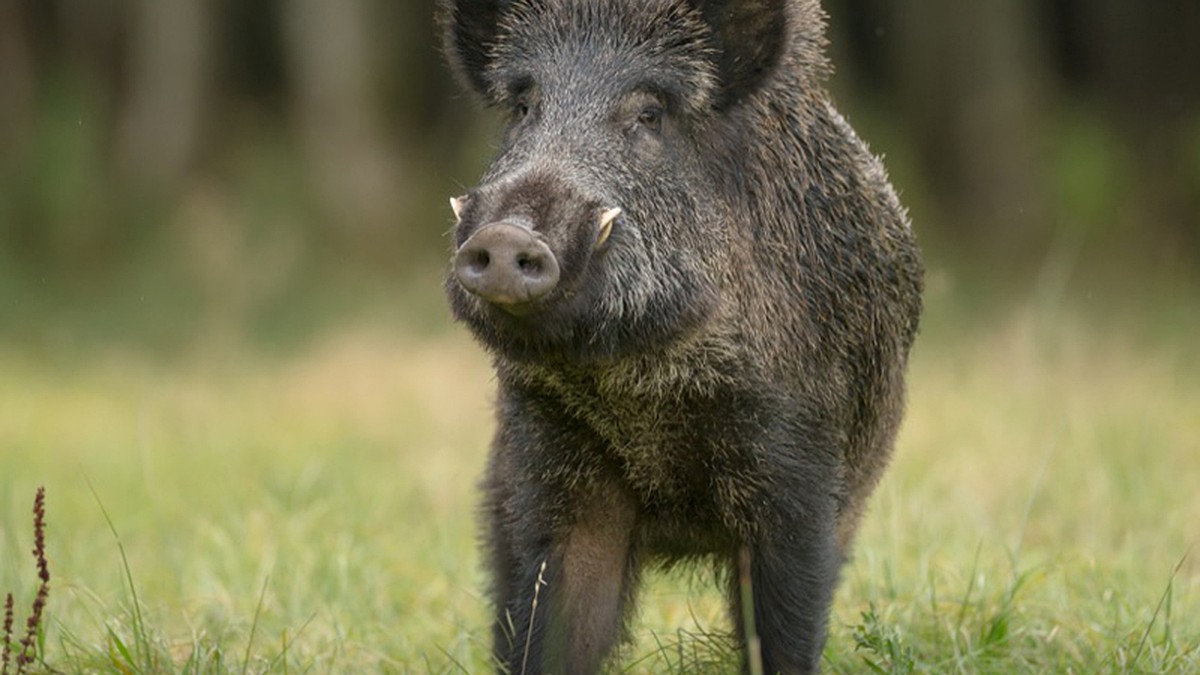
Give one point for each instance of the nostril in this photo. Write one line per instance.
(480, 260)
(529, 264)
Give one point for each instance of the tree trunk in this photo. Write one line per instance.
(1146, 57)
(16, 82)
(971, 90)
(161, 124)
(331, 61)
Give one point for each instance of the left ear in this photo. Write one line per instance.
(750, 37)
(470, 29)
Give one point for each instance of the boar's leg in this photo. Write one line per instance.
(499, 556)
(793, 583)
(793, 560)
(562, 592)
(792, 591)
(597, 578)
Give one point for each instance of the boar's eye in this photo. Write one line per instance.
(521, 100)
(650, 118)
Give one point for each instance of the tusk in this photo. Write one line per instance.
(457, 204)
(606, 222)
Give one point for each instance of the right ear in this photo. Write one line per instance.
(750, 37)
(469, 32)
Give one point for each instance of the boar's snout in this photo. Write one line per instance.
(506, 265)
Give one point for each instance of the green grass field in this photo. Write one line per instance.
(315, 512)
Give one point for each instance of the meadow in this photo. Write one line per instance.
(237, 509)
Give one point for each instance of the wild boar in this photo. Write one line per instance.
(699, 290)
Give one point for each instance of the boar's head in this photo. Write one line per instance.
(603, 226)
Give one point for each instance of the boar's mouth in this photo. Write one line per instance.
(511, 266)
(550, 292)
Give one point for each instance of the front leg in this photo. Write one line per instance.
(785, 506)
(558, 533)
(792, 584)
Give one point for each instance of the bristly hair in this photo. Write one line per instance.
(672, 34)
(731, 48)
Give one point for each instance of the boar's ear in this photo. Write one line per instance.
(750, 38)
(469, 31)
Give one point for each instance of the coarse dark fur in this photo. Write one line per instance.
(726, 372)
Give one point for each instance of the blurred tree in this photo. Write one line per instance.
(970, 86)
(1011, 124)
(332, 51)
(1144, 58)
(168, 85)
(16, 80)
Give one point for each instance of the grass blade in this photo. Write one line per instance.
(139, 630)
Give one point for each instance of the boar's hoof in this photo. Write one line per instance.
(506, 265)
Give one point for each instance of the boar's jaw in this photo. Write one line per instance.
(508, 265)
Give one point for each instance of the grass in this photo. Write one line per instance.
(240, 512)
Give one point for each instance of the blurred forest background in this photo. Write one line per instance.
(174, 170)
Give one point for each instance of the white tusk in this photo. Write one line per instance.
(606, 222)
(457, 204)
